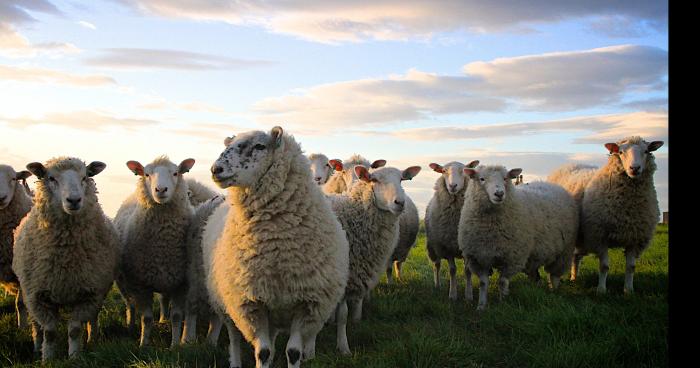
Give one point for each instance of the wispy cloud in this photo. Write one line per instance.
(136, 58)
(87, 25)
(42, 75)
(84, 120)
(13, 44)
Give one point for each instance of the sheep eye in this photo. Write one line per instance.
(51, 178)
(259, 146)
(482, 179)
(146, 175)
(174, 174)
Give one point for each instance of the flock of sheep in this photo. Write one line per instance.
(298, 242)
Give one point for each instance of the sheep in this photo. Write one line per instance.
(153, 224)
(515, 229)
(619, 208)
(66, 252)
(321, 169)
(442, 220)
(409, 224)
(15, 203)
(278, 259)
(344, 177)
(369, 215)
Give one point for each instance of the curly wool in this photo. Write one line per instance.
(279, 247)
(65, 260)
(199, 193)
(442, 220)
(10, 218)
(336, 183)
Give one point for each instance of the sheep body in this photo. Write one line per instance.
(409, 224)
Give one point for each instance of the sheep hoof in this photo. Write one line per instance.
(345, 352)
(602, 290)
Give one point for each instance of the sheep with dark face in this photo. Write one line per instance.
(275, 256)
(66, 251)
(153, 224)
(15, 203)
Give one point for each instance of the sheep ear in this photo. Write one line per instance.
(514, 173)
(23, 175)
(410, 173)
(95, 168)
(470, 172)
(473, 164)
(37, 169)
(653, 146)
(437, 168)
(377, 164)
(336, 164)
(362, 173)
(276, 134)
(135, 167)
(185, 165)
(612, 147)
(228, 140)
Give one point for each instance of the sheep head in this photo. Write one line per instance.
(8, 182)
(66, 181)
(161, 177)
(453, 173)
(495, 181)
(633, 153)
(386, 185)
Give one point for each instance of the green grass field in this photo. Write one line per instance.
(408, 324)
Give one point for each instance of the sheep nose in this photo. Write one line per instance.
(216, 169)
(399, 203)
(161, 190)
(635, 168)
(74, 201)
(2, 199)
(453, 186)
(499, 194)
(318, 178)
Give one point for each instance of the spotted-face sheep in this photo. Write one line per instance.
(66, 251)
(153, 224)
(442, 220)
(279, 258)
(514, 229)
(15, 203)
(369, 215)
(619, 208)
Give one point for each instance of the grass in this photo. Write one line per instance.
(409, 324)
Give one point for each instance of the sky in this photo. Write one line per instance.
(534, 84)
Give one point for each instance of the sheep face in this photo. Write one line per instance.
(386, 185)
(161, 177)
(633, 153)
(246, 158)
(66, 182)
(453, 173)
(495, 181)
(350, 176)
(321, 169)
(8, 182)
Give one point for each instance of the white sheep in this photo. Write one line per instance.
(153, 224)
(369, 214)
(278, 258)
(409, 224)
(442, 220)
(15, 203)
(66, 251)
(321, 169)
(514, 229)
(619, 208)
(344, 177)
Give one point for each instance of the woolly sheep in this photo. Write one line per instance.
(15, 203)
(66, 251)
(369, 215)
(279, 258)
(321, 169)
(619, 208)
(345, 177)
(515, 229)
(409, 224)
(153, 224)
(442, 220)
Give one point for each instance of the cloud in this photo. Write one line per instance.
(41, 75)
(134, 58)
(195, 106)
(342, 21)
(13, 44)
(82, 120)
(87, 25)
(553, 81)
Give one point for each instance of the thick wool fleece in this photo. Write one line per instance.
(10, 218)
(65, 260)
(153, 235)
(281, 251)
(574, 178)
(442, 220)
(336, 183)
(620, 212)
(409, 224)
(198, 192)
(535, 225)
(371, 233)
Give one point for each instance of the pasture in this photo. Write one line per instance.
(409, 324)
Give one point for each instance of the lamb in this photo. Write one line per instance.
(619, 208)
(442, 220)
(66, 251)
(15, 203)
(153, 224)
(275, 256)
(369, 215)
(321, 169)
(515, 229)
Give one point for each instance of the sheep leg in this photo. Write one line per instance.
(356, 309)
(603, 271)
(189, 331)
(468, 289)
(164, 301)
(264, 346)
(176, 314)
(453, 278)
(576, 265)
(214, 329)
(436, 274)
(388, 273)
(483, 291)
(397, 269)
(92, 329)
(503, 286)
(145, 308)
(48, 346)
(294, 344)
(234, 342)
(630, 264)
(309, 346)
(37, 336)
(130, 316)
(21, 311)
(554, 281)
(341, 318)
(75, 332)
